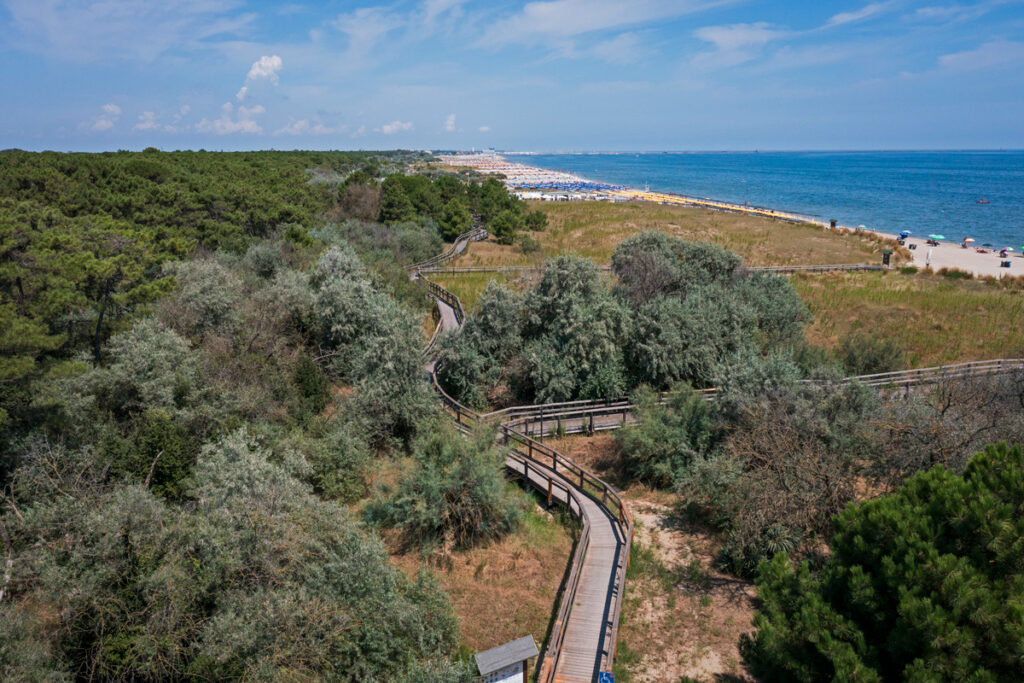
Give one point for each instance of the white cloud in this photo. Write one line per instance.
(185, 109)
(560, 19)
(266, 66)
(304, 127)
(988, 56)
(737, 36)
(240, 95)
(858, 15)
(360, 132)
(485, 129)
(229, 123)
(449, 123)
(107, 119)
(89, 30)
(394, 127)
(735, 43)
(365, 27)
(147, 121)
(624, 48)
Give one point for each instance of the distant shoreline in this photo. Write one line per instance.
(524, 180)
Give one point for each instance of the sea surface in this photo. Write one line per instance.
(923, 192)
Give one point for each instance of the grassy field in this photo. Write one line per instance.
(592, 229)
(469, 286)
(934, 319)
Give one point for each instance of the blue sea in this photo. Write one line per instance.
(924, 192)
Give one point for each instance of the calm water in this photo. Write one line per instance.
(924, 192)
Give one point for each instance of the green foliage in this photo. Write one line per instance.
(256, 579)
(455, 220)
(527, 244)
(667, 437)
(313, 388)
(864, 355)
(454, 497)
(536, 220)
(505, 226)
(922, 584)
(650, 264)
(395, 205)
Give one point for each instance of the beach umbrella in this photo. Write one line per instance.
(904, 233)
(986, 244)
(937, 237)
(968, 239)
(1008, 248)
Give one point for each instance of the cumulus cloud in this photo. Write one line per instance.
(147, 121)
(360, 132)
(106, 120)
(394, 127)
(266, 66)
(485, 129)
(232, 121)
(449, 123)
(305, 127)
(240, 95)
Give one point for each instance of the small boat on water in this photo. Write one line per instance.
(983, 201)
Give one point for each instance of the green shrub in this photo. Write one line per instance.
(922, 584)
(667, 437)
(454, 497)
(865, 355)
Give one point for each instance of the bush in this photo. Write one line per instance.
(527, 244)
(864, 355)
(506, 225)
(454, 498)
(666, 438)
(208, 298)
(921, 584)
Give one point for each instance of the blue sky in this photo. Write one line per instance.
(551, 75)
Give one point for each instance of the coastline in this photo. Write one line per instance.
(531, 182)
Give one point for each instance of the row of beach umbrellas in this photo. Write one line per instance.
(967, 240)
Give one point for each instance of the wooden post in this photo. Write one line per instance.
(549, 491)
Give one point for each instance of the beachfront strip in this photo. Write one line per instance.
(529, 182)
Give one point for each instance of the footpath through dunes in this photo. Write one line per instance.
(583, 638)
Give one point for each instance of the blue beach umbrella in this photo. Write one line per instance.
(904, 233)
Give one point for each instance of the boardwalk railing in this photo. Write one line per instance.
(516, 425)
(452, 252)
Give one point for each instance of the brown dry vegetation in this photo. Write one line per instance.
(593, 229)
(681, 616)
(505, 590)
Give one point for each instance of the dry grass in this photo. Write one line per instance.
(934, 319)
(592, 229)
(506, 590)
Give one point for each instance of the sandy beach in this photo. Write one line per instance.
(529, 181)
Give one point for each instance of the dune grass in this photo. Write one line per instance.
(469, 286)
(934, 319)
(592, 229)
